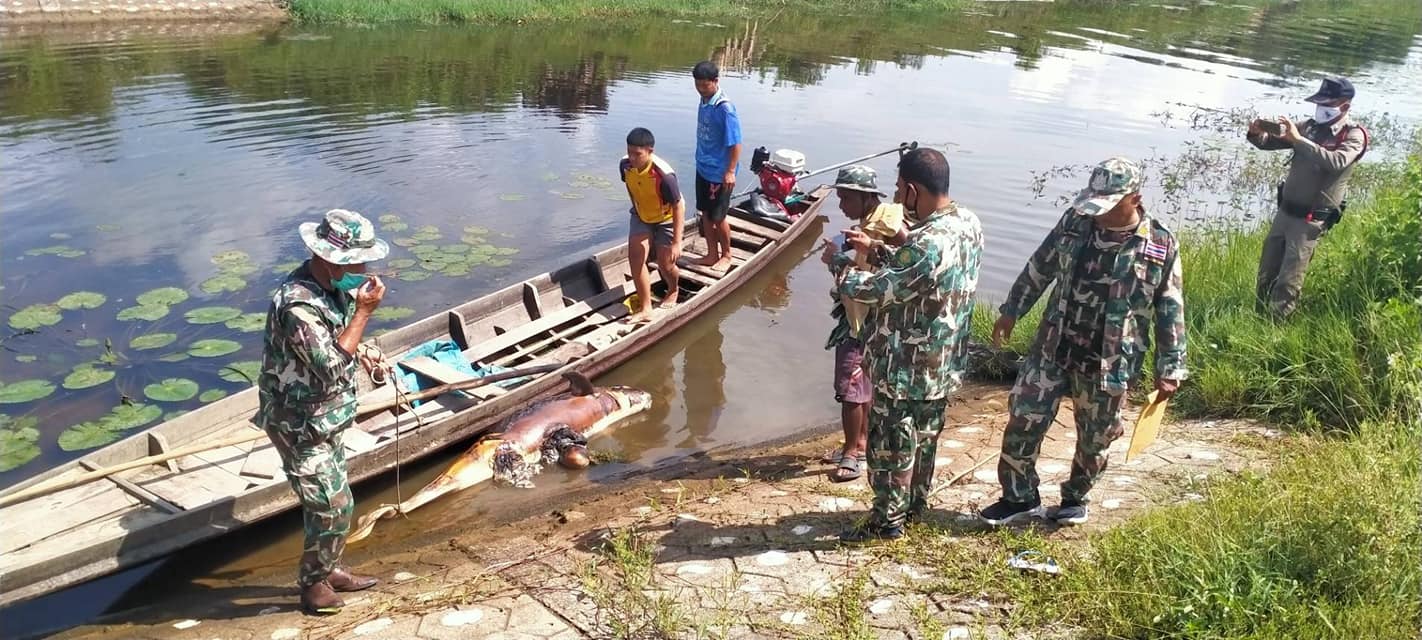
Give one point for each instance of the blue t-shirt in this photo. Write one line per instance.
(717, 128)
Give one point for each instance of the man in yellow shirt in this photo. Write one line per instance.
(658, 214)
(859, 200)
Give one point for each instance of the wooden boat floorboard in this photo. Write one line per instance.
(572, 316)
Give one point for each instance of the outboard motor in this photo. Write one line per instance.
(778, 178)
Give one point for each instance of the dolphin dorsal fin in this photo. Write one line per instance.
(581, 385)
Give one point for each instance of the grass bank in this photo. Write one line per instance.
(1326, 544)
(516, 11)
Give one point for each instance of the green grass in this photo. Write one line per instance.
(1323, 546)
(518, 11)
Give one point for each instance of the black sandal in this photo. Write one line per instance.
(850, 464)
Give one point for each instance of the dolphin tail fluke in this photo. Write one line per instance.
(367, 522)
(580, 383)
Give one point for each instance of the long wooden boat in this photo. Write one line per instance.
(569, 316)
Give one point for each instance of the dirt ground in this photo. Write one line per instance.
(739, 545)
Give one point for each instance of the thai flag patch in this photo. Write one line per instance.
(1155, 251)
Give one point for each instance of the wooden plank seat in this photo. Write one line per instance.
(573, 312)
(738, 224)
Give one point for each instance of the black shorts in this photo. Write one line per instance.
(713, 199)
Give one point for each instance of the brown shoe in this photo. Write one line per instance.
(320, 600)
(343, 580)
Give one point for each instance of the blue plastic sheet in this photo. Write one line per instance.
(446, 352)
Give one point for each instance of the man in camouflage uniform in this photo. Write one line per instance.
(921, 300)
(307, 389)
(1117, 272)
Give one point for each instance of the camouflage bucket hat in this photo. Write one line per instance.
(1111, 180)
(857, 177)
(344, 237)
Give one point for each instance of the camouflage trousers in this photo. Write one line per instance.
(317, 473)
(1032, 406)
(903, 444)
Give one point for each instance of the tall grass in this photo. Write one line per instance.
(1350, 353)
(1325, 546)
(513, 11)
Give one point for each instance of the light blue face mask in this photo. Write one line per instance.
(349, 281)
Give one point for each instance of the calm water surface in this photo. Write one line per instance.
(155, 150)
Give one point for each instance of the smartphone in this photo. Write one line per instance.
(1271, 127)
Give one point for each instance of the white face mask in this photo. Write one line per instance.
(1326, 114)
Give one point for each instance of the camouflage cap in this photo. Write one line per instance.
(1113, 179)
(344, 237)
(857, 177)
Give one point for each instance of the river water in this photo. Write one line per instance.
(144, 157)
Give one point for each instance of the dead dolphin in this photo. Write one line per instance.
(555, 429)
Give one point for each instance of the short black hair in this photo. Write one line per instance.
(926, 167)
(641, 137)
(705, 70)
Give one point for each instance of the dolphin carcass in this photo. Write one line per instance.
(551, 430)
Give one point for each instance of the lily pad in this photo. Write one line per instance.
(238, 270)
(505, 251)
(25, 391)
(144, 312)
(87, 435)
(232, 257)
(212, 315)
(388, 218)
(405, 242)
(174, 357)
(455, 249)
(222, 284)
(550, 176)
(244, 371)
(428, 236)
(414, 275)
(18, 441)
(475, 230)
(286, 267)
(26, 358)
(63, 251)
(35, 316)
(212, 348)
(456, 270)
(571, 195)
(394, 227)
(60, 236)
(500, 262)
(212, 395)
(171, 390)
(81, 300)
(248, 322)
(401, 263)
(86, 343)
(512, 197)
(152, 341)
(425, 250)
(129, 416)
(84, 377)
(392, 313)
(162, 296)
(107, 228)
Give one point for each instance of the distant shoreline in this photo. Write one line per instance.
(82, 12)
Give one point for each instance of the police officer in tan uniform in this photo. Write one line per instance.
(1311, 199)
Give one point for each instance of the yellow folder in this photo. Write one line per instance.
(1147, 425)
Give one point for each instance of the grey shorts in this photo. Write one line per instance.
(662, 234)
(851, 381)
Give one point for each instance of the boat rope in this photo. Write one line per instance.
(381, 371)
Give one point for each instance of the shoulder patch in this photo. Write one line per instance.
(906, 256)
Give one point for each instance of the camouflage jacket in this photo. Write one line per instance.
(307, 385)
(922, 306)
(1146, 289)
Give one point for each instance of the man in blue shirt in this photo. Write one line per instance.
(718, 150)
